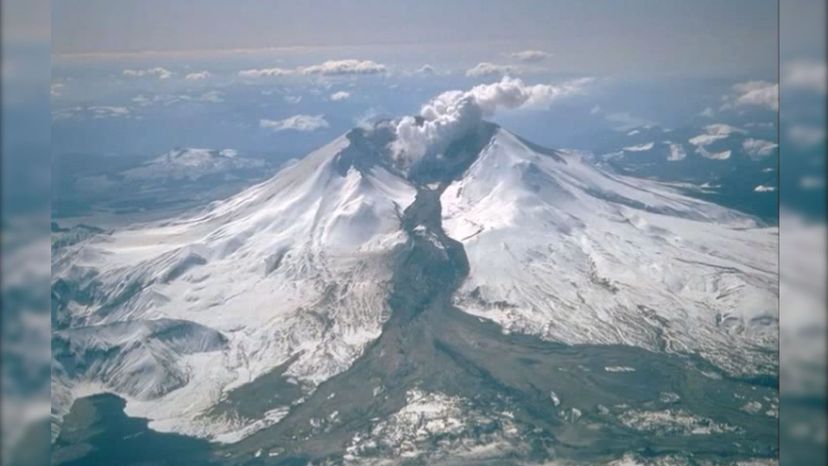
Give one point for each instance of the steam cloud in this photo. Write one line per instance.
(453, 113)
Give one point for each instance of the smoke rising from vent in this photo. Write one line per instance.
(452, 113)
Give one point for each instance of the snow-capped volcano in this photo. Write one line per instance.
(563, 250)
(290, 278)
(295, 268)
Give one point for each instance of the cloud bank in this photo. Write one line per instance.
(329, 68)
(677, 153)
(723, 155)
(344, 67)
(198, 76)
(157, 72)
(94, 112)
(426, 69)
(713, 133)
(212, 96)
(452, 113)
(640, 147)
(758, 148)
(760, 94)
(339, 96)
(264, 73)
(530, 56)
(486, 69)
(303, 123)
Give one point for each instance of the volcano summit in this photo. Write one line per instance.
(431, 290)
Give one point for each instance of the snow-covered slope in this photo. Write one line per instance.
(286, 283)
(293, 270)
(563, 250)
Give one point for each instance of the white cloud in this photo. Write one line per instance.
(329, 68)
(141, 100)
(713, 133)
(95, 112)
(753, 94)
(197, 76)
(454, 112)
(723, 155)
(296, 123)
(211, 97)
(106, 111)
(707, 112)
(56, 89)
(677, 153)
(722, 129)
(805, 136)
(293, 99)
(764, 189)
(705, 139)
(758, 148)
(426, 70)
(530, 56)
(640, 147)
(264, 73)
(341, 95)
(806, 75)
(157, 72)
(486, 69)
(344, 67)
(170, 99)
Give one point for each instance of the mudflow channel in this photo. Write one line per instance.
(429, 345)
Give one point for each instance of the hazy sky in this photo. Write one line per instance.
(142, 76)
(683, 38)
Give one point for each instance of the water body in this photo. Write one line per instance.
(97, 432)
